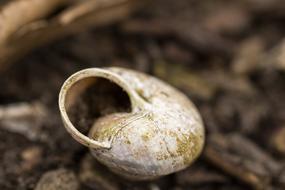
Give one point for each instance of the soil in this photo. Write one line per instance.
(227, 56)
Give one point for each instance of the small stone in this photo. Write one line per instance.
(61, 179)
(278, 141)
(31, 157)
(249, 55)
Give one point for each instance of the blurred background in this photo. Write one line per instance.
(228, 56)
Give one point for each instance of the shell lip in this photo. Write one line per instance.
(136, 102)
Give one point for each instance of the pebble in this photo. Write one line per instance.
(60, 179)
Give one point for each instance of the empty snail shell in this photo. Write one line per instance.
(140, 127)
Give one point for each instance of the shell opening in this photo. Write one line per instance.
(93, 97)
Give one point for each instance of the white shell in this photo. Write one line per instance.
(162, 134)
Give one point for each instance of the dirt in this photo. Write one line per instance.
(227, 56)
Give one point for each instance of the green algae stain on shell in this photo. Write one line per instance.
(188, 147)
(146, 136)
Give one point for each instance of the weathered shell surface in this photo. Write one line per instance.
(162, 134)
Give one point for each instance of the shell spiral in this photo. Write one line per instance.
(161, 133)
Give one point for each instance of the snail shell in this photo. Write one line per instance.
(142, 130)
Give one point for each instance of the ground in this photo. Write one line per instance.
(227, 56)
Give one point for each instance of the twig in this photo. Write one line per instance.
(31, 23)
(23, 118)
(242, 159)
